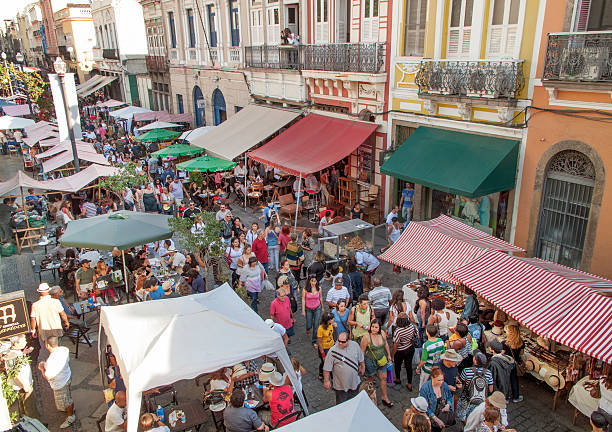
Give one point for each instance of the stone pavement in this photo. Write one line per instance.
(534, 414)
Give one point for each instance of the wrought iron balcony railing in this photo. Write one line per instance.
(110, 53)
(156, 63)
(365, 57)
(476, 78)
(579, 57)
(341, 57)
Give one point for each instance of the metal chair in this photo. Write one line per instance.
(295, 415)
(159, 396)
(77, 333)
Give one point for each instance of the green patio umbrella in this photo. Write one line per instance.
(178, 150)
(206, 164)
(158, 135)
(122, 230)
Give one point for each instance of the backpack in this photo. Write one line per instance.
(476, 389)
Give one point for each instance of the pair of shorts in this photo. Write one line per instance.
(63, 397)
(372, 368)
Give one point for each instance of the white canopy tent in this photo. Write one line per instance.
(158, 125)
(195, 133)
(66, 157)
(63, 146)
(8, 122)
(357, 414)
(165, 341)
(128, 112)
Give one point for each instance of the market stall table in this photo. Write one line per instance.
(339, 238)
(580, 397)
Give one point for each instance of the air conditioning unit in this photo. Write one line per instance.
(583, 64)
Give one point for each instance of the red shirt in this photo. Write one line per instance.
(283, 240)
(260, 249)
(281, 312)
(281, 404)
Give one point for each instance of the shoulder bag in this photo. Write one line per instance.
(379, 361)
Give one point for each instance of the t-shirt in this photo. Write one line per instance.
(344, 362)
(407, 194)
(177, 190)
(450, 374)
(85, 276)
(327, 336)
(404, 337)
(115, 417)
(46, 312)
(240, 419)
(90, 209)
(431, 353)
(281, 404)
(178, 260)
(468, 373)
(281, 310)
(390, 217)
(380, 297)
(157, 294)
(57, 368)
(160, 429)
(341, 320)
(334, 295)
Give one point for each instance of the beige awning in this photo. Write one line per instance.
(40, 134)
(101, 83)
(66, 145)
(91, 82)
(79, 180)
(66, 157)
(244, 130)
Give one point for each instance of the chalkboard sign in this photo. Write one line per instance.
(14, 316)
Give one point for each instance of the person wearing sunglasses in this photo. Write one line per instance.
(345, 361)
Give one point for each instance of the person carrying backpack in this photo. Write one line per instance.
(477, 385)
(360, 317)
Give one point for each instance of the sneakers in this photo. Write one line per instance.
(68, 422)
(518, 399)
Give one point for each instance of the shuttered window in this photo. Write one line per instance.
(592, 15)
(322, 21)
(256, 27)
(460, 28)
(503, 29)
(273, 25)
(414, 27)
(369, 22)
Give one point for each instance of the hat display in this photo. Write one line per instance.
(265, 371)
(498, 400)
(451, 355)
(239, 370)
(555, 380)
(43, 287)
(276, 379)
(419, 403)
(531, 363)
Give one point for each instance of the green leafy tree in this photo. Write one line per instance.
(8, 374)
(37, 88)
(127, 177)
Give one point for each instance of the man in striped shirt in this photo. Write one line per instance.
(89, 209)
(380, 297)
(433, 348)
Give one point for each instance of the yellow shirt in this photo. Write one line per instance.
(326, 336)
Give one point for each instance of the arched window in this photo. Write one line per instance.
(565, 208)
(219, 110)
(198, 106)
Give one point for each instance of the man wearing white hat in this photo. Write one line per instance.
(46, 318)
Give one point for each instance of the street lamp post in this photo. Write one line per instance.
(7, 73)
(60, 68)
(19, 57)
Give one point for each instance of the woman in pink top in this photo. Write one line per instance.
(312, 301)
(283, 238)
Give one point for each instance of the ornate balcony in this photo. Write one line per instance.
(579, 57)
(156, 63)
(272, 57)
(478, 78)
(340, 57)
(110, 53)
(367, 57)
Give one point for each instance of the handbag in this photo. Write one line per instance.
(447, 417)
(381, 361)
(294, 305)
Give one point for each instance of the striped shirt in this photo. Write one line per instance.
(380, 297)
(468, 373)
(431, 353)
(404, 337)
(90, 209)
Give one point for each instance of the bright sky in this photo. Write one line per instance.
(10, 8)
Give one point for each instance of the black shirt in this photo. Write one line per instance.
(189, 213)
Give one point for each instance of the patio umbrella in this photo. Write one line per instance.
(176, 150)
(158, 125)
(8, 122)
(121, 230)
(206, 164)
(158, 135)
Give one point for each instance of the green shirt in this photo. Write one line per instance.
(85, 276)
(431, 353)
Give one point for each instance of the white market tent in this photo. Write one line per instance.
(8, 122)
(81, 146)
(195, 133)
(357, 414)
(160, 342)
(128, 112)
(158, 125)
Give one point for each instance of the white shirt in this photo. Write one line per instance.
(390, 217)
(160, 429)
(476, 417)
(23, 379)
(410, 296)
(334, 295)
(220, 215)
(239, 171)
(178, 260)
(278, 328)
(366, 259)
(250, 236)
(57, 368)
(115, 417)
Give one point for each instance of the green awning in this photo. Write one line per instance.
(158, 135)
(206, 164)
(460, 163)
(176, 150)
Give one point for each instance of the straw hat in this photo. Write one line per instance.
(266, 370)
(239, 370)
(498, 400)
(276, 379)
(532, 364)
(218, 406)
(43, 287)
(419, 403)
(451, 355)
(551, 377)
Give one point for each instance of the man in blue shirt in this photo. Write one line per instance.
(406, 202)
(155, 290)
(270, 211)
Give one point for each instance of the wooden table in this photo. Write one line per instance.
(195, 416)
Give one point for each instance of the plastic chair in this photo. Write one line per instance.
(295, 415)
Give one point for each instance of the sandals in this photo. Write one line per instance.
(388, 404)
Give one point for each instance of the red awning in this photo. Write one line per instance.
(313, 143)
(553, 306)
(437, 246)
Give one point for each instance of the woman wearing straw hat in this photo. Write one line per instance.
(280, 398)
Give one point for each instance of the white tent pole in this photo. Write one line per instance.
(286, 362)
(298, 201)
(125, 279)
(246, 175)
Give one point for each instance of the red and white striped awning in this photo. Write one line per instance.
(435, 247)
(553, 306)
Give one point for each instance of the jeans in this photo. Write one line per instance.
(273, 254)
(404, 356)
(265, 266)
(343, 396)
(253, 296)
(514, 383)
(313, 316)
(407, 213)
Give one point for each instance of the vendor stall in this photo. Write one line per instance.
(345, 238)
